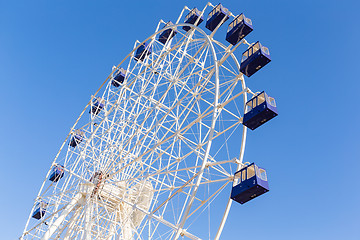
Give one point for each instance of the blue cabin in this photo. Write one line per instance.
(57, 173)
(118, 77)
(216, 16)
(77, 137)
(238, 29)
(254, 58)
(167, 34)
(97, 105)
(40, 210)
(252, 182)
(259, 110)
(192, 17)
(142, 51)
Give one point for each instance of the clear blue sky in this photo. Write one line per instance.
(55, 54)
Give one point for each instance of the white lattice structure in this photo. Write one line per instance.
(153, 162)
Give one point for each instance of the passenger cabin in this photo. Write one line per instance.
(216, 16)
(238, 29)
(118, 77)
(97, 105)
(167, 34)
(40, 210)
(192, 17)
(259, 110)
(251, 183)
(57, 173)
(142, 51)
(254, 58)
(77, 137)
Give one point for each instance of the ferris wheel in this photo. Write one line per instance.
(152, 155)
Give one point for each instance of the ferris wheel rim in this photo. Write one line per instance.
(210, 42)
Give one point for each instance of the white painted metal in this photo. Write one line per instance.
(157, 155)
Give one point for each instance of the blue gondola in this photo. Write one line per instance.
(238, 29)
(252, 182)
(97, 106)
(259, 110)
(167, 34)
(40, 210)
(142, 51)
(76, 138)
(57, 173)
(192, 17)
(254, 58)
(118, 77)
(216, 16)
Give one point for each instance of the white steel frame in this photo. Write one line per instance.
(153, 142)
